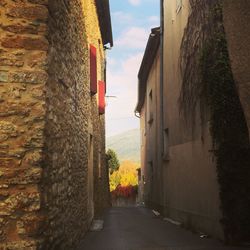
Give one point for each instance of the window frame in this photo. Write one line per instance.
(166, 155)
(150, 108)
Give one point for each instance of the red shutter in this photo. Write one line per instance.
(101, 93)
(93, 70)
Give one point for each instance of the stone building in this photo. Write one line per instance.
(53, 177)
(191, 174)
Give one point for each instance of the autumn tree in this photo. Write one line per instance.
(126, 175)
(112, 160)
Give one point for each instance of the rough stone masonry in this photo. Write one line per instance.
(49, 124)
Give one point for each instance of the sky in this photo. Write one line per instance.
(132, 21)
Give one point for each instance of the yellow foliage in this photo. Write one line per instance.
(126, 175)
(114, 180)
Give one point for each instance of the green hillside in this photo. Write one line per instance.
(126, 145)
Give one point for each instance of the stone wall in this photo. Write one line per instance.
(101, 185)
(101, 174)
(49, 188)
(23, 53)
(64, 186)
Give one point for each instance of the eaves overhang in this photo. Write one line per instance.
(147, 62)
(103, 11)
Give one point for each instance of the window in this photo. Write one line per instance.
(142, 136)
(90, 187)
(139, 174)
(99, 164)
(178, 6)
(151, 169)
(166, 144)
(150, 108)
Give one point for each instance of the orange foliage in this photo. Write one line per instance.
(124, 191)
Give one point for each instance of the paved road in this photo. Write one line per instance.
(138, 229)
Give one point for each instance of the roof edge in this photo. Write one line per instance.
(103, 11)
(147, 62)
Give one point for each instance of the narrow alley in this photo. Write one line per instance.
(107, 104)
(137, 228)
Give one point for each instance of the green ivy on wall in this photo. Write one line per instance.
(216, 85)
(230, 137)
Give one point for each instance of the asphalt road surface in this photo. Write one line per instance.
(137, 228)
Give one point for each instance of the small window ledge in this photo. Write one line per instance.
(166, 157)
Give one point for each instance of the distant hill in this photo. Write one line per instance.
(126, 145)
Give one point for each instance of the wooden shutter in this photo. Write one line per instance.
(101, 93)
(93, 70)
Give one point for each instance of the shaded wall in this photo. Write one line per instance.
(236, 16)
(188, 171)
(191, 192)
(150, 122)
(143, 140)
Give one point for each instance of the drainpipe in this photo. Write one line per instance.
(161, 101)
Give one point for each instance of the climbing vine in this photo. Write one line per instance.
(208, 83)
(199, 29)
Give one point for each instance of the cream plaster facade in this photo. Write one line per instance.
(180, 178)
(191, 191)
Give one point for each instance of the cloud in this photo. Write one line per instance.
(111, 61)
(135, 2)
(123, 84)
(122, 17)
(134, 37)
(154, 20)
(132, 22)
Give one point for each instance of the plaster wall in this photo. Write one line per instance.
(191, 191)
(151, 116)
(143, 154)
(236, 16)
